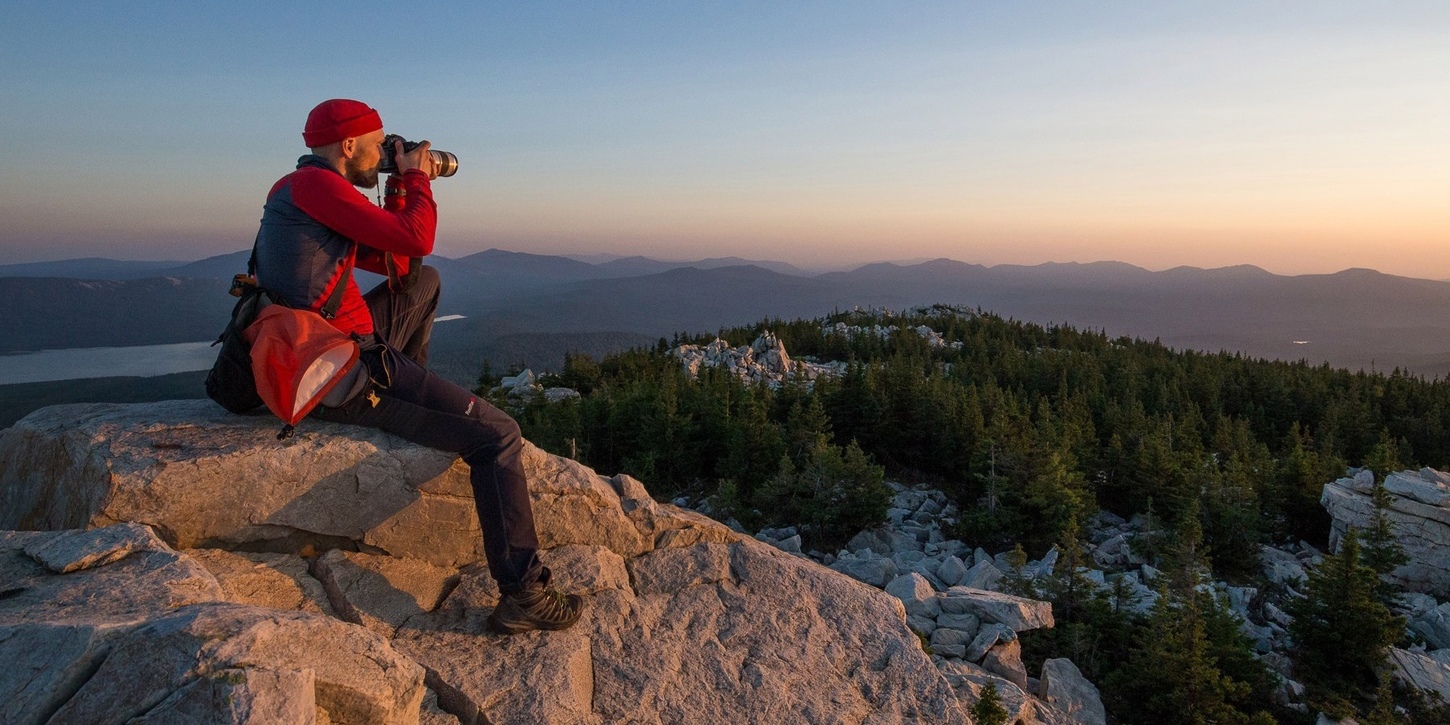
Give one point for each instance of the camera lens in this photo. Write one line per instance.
(446, 163)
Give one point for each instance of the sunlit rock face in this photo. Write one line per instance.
(172, 563)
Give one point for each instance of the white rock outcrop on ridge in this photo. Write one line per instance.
(1419, 512)
(687, 621)
(764, 360)
(932, 337)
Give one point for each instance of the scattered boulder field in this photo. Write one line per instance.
(910, 557)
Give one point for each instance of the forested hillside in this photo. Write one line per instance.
(1036, 424)
(1032, 430)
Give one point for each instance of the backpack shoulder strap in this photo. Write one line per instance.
(334, 300)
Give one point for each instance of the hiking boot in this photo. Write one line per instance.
(539, 607)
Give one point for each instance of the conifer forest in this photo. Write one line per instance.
(1032, 430)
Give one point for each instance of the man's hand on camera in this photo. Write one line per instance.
(418, 158)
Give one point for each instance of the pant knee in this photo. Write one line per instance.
(510, 435)
(496, 439)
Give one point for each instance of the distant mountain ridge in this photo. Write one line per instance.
(88, 268)
(487, 262)
(1353, 318)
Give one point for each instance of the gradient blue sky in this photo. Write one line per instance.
(1298, 136)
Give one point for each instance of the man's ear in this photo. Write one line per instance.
(349, 147)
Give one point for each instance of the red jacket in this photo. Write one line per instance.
(315, 220)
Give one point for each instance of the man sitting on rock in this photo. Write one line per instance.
(315, 227)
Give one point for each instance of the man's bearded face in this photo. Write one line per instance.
(362, 170)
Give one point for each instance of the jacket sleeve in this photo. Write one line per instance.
(331, 200)
(393, 266)
(371, 260)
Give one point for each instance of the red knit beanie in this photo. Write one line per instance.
(337, 119)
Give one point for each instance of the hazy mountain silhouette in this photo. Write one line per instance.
(222, 266)
(1353, 318)
(47, 313)
(88, 268)
(636, 266)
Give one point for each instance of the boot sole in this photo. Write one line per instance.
(502, 627)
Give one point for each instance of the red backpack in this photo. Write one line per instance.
(297, 359)
(286, 358)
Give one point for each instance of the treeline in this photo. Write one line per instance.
(1028, 427)
(764, 455)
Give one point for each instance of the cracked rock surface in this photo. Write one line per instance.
(173, 563)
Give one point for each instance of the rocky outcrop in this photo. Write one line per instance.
(764, 360)
(142, 631)
(208, 572)
(969, 624)
(525, 387)
(932, 337)
(206, 479)
(1419, 512)
(1064, 687)
(1425, 672)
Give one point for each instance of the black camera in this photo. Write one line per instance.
(444, 163)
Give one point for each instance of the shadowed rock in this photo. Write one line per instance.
(46, 663)
(1018, 613)
(381, 592)
(1422, 672)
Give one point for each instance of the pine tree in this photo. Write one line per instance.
(1382, 550)
(807, 430)
(1055, 499)
(989, 709)
(1383, 712)
(1171, 676)
(1384, 458)
(1068, 588)
(1302, 471)
(1190, 663)
(1341, 630)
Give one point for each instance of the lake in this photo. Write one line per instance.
(105, 362)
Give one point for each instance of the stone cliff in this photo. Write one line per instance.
(172, 563)
(1419, 514)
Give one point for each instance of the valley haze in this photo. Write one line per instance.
(530, 308)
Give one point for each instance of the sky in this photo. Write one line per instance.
(1302, 137)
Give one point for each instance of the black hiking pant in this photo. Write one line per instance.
(404, 319)
(418, 406)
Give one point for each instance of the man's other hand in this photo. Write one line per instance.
(418, 158)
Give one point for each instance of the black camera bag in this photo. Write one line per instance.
(230, 382)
